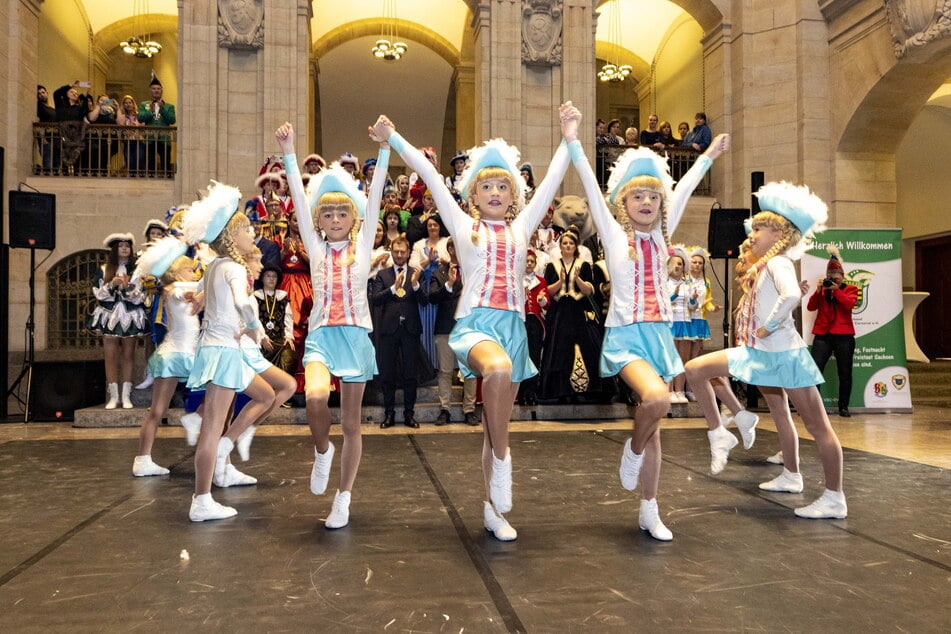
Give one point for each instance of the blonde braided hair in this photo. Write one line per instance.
(224, 244)
(642, 181)
(333, 201)
(790, 236)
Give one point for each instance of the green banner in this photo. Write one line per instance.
(871, 259)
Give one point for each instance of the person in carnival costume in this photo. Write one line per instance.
(770, 353)
(681, 302)
(166, 261)
(332, 217)
(489, 337)
(155, 229)
(219, 366)
(118, 315)
(638, 344)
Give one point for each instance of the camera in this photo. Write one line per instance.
(828, 283)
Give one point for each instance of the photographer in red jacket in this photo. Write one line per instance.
(833, 332)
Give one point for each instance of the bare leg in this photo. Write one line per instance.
(650, 470)
(317, 390)
(217, 404)
(654, 402)
(162, 391)
(704, 375)
(492, 363)
(110, 349)
(282, 384)
(788, 438)
(127, 360)
(351, 397)
(262, 402)
(809, 405)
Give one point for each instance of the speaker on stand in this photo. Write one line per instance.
(4, 302)
(32, 226)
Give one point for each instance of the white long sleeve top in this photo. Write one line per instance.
(228, 305)
(492, 270)
(628, 290)
(770, 305)
(340, 290)
(183, 326)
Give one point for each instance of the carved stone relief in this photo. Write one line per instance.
(542, 32)
(241, 24)
(916, 23)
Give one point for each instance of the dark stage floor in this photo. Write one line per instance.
(87, 547)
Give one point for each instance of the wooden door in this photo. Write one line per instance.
(933, 275)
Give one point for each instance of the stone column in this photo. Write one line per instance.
(243, 70)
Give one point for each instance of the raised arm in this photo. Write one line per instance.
(453, 217)
(684, 189)
(570, 118)
(305, 219)
(375, 193)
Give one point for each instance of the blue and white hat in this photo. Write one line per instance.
(639, 162)
(118, 237)
(798, 205)
(160, 255)
(207, 218)
(494, 153)
(335, 179)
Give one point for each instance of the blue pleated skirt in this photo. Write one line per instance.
(504, 327)
(170, 365)
(346, 351)
(652, 342)
(700, 328)
(681, 330)
(787, 369)
(254, 358)
(223, 366)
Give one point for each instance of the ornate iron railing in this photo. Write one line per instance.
(70, 300)
(76, 148)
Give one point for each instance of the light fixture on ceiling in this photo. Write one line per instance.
(388, 47)
(141, 44)
(614, 71)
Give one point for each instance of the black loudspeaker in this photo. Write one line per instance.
(757, 180)
(59, 388)
(32, 220)
(725, 233)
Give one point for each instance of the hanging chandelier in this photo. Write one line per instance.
(614, 71)
(141, 44)
(388, 47)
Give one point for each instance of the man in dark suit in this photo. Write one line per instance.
(396, 292)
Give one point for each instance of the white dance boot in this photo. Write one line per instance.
(112, 395)
(127, 396)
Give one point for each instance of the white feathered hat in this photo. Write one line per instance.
(494, 153)
(798, 205)
(335, 179)
(639, 162)
(698, 251)
(118, 237)
(157, 259)
(207, 218)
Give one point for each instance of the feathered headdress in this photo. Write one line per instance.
(335, 179)
(207, 218)
(835, 260)
(157, 259)
(698, 251)
(315, 158)
(494, 153)
(798, 205)
(639, 162)
(118, 237)
(680, 251)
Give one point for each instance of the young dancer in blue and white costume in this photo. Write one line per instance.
(678, 286)
(338, 342)
(638, 344)
(770, 353)
(172, 361)
(219, 366)
(489, 337)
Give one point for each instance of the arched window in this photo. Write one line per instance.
(70, 301)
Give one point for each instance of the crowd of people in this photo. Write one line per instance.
(433, 275)
(70, 147)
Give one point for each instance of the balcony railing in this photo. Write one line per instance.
(76, 148)
(680, 161)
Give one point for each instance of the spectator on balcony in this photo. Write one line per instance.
(613, 134)
(700, 137)
(133, 148)
(666, 141)
(630, 137)
(156, 112)
(103, 143)
(683, 129)
(48, 140)
(528, 174)
(651, 135)
(600, 129)
(74, 111)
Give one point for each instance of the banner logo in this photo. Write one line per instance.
(861, 279)
(881, 389)
(899, 381)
